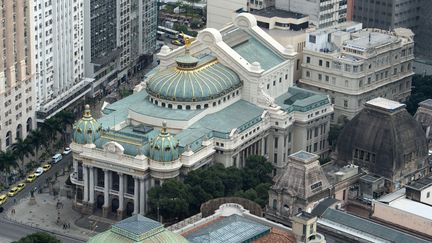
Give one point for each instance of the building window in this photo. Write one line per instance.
(320, 63)
(319, 76)
(179, 107)
(276, 140)
(8, 138)
(327, 64)
(312, 38)
(346, 103)
(275, 158)
(427, 194)
(307, 74)
(315, 147)
(308, 59)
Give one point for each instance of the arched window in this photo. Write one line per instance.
(8, 138)
(198, 107)
(274, 206)
(179, 107)
(163, 104)
(19, 131)
(29, 125)
(205, 105)
(188, 107)
(214, 103)
(170, 106)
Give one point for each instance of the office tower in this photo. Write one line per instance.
(17, 101)
(59, 64)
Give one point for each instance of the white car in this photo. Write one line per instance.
(67, 150)
(39, 171)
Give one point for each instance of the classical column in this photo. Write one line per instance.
(238, 162)
(262, 146)
(120, 196)
(136, 192)
(85, 178)
(142, 192)
(91, 187)
(75, 166)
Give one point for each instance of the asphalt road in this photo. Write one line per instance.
(9, 230)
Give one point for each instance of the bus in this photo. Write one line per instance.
(160, 35)
(170, 33)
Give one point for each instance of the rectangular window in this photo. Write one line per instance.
(276, 140)
(307, 74)
(312, 38)
(316, 131)
(327, 64)
(320, 62)
(319, 76)
(346, 103)
(315, 147)
(308, 59)
(275, 158)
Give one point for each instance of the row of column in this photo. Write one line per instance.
(89, 189)
(257, 148)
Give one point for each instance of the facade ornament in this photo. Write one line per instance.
(269, 101)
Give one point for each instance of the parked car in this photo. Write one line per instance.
(21, 186)
(31, 178)
(39, 171)
(176, 42)
(56, 158)
(67, 150)
(3, 199)
(12, 192)
(46, 167)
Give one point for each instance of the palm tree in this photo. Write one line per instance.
(21, 148)
(7, 161)
(66, 120)
(36, 139)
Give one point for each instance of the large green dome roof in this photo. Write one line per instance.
(87, 129)
(193, 81)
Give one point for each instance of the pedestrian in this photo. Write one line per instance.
(14, 200)
(68, 225)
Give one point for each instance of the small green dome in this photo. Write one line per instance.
(193, 81)
(87, 129)
(164, 147)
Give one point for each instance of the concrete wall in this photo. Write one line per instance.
(395, 216)
(221, 12)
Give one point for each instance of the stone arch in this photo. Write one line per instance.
(8, 139)
(100, 201)
(114, 205)
(29, 125)
(19, 132)
(129, 208)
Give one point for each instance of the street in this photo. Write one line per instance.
(9, 230)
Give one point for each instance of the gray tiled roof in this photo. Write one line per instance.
(131, 224)
(370, 227)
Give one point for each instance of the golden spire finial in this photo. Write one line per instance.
(187, 40)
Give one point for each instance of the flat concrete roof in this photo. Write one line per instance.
(368, 39)
(421, 184)
(273, 12)
(385, 104)
(410, 206)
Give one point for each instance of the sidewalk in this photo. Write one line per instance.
(44, 215)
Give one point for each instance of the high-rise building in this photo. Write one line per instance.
(388, 14)
(120, 38)
(322, 13)
(17, 101)
(354, 65)
(59, 55)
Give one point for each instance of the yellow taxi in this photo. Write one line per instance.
(3, 199)
(12, 192)
(20, 186)
(31, 178)
(46, 167)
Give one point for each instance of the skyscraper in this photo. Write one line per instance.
(120, 37)
(58, 33)
(17, 101)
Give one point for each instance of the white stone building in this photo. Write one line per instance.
(354, 65)
(226, 96)
(17, 89)
(58, 56)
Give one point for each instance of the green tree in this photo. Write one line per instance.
(39, 237)
(257, 170)
(7, 161)
(22, 148)
(421, 90)
(171, 200)
(37, 140)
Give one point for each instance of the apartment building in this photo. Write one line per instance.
(59, 55)
(353, 65)
(120, 38)
(322, 13)
(17, 90)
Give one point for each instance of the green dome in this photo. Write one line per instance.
(164, 147)
(191, 81)
(87, 129)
